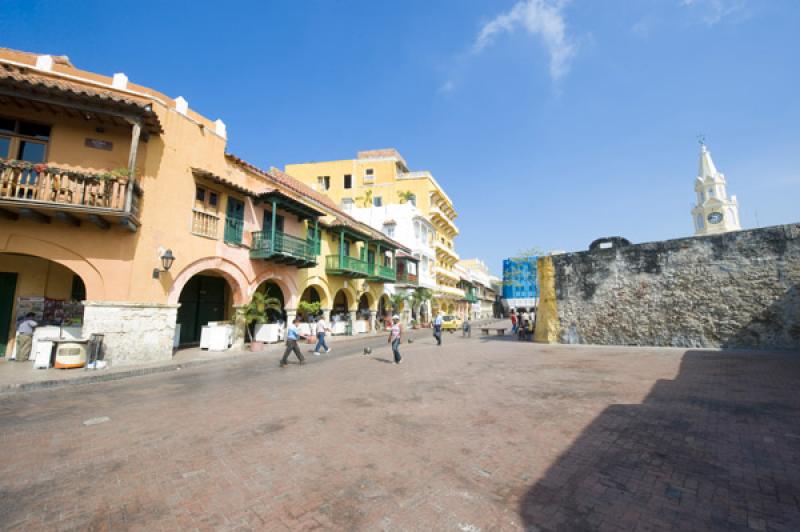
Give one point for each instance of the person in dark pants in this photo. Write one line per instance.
(394, 338)
(292, 336)
(25, 337)
(437, 328)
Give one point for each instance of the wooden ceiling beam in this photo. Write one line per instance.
(8, 215)
(68, 218)
(31, 214)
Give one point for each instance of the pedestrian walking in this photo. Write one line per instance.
(25, 336)
(513, 322)
(292, 336)
(437, 328)
(395, 333)
(466, 328)
(321, 329)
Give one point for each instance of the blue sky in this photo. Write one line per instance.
(549, 123)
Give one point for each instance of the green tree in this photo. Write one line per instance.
(256, 311)
(366, 199)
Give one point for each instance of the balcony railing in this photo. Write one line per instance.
(204, 223)
(382, 273)
(348, 266)
(407, 278)
(28, 187)
(470, 298)
(286, 249)
(233, 231)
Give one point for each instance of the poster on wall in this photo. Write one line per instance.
(73, 313)
(28, 304)
(53, 313)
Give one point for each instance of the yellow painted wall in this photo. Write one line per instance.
(547, 324)
(35, 278)
(117, 265)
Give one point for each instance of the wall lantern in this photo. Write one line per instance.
(166, 263)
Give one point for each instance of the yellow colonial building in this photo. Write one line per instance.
(380, 177)
(122, 214)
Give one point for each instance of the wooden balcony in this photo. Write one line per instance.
(284, 249)
(347, 266)
(40, 192)
(382, 273)
(406, 278)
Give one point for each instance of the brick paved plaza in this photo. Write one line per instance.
(481, 434)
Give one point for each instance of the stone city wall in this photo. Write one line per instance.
(134, 333)
(738, 289)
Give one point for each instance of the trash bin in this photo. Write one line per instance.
(348, 328)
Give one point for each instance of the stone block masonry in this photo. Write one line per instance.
(737, 289)
(134, 333)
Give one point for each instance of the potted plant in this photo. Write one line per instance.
(255, 312)
(307, 311)
(414, 324)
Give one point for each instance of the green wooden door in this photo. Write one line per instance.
(202, 300)
(8, 285)
(234, 221)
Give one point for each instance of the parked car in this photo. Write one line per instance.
(451, 323)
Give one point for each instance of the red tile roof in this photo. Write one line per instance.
(23, 79)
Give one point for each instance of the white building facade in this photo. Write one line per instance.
(404, 223)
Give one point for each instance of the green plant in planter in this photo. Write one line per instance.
(307, 310)
(256, 310)
(397, 301)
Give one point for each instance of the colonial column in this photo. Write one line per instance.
(326, 313)
(239, 325)
(353, 317)
(136, 132)
(291, 314)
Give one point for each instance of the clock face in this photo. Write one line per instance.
(714, 217)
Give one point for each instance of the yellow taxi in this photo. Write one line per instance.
(451, 323)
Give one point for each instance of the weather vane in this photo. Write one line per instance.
(701, 138)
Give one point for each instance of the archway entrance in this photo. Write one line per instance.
(383, 310)
(52, 292)
(272, 290)
(341, 306)
(310, 296)
(364, 314)
(205, 297)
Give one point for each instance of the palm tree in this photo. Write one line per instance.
(366, 198)
(256, 311)
(420, 296)
(397, 301)
(406, 195)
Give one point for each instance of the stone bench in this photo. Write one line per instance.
(501, 331)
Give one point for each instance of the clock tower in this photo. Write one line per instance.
(714, 212)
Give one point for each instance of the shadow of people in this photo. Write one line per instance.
(717, 448)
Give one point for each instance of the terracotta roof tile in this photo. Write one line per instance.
(18, 77)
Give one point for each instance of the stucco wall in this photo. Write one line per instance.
(739, 289)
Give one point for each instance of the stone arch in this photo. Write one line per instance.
(367, 297)
(287, 285)
(43, 249)
(352, 298)
(235, 277)
(325, 299)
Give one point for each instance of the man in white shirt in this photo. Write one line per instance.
(321, 328)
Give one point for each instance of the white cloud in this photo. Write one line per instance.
(713, 11)
(447, 86)
(542, 18)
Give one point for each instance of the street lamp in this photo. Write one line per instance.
(166, 263)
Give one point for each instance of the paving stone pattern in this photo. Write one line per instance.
(480, 434)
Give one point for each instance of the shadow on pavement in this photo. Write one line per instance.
(718, 448)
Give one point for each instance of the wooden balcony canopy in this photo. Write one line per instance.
(26, 87)
(266, 195)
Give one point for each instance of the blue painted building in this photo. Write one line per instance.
(520, 282)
